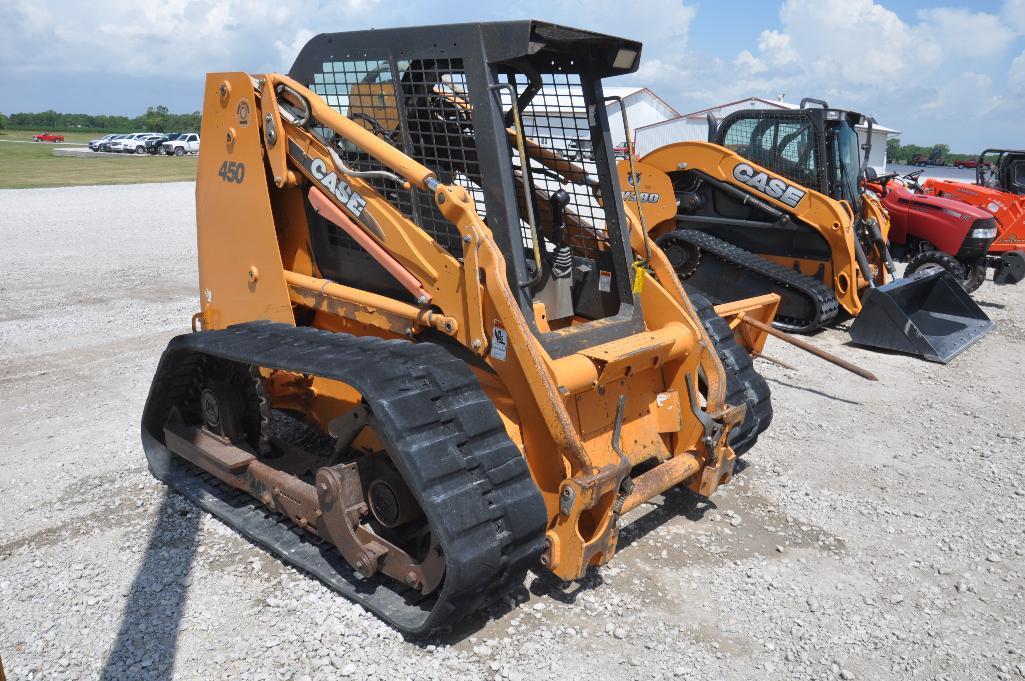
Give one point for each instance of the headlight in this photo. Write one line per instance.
(983, 233)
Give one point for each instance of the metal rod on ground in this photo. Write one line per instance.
(762, 355)
(808, 347)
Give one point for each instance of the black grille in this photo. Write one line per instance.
(783, 144)
(431, 96)
(557, 118)
(438, 131)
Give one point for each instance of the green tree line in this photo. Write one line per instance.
(156, 119)
(904, 153)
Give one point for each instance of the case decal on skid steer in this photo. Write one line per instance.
(337, 187)
(773, 187)
(432, 455)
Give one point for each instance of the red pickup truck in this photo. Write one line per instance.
(970, 164)
(47, 137)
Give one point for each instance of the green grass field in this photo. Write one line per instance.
(34, 165)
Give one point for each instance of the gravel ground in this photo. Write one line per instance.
(875, 533)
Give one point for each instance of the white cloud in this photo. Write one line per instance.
(925, 72)
(968, 94)
(1014, 13)
(661, 24)
(777, 48)
(1016, 76)
(855, 53)
(160, 37)
(747, 63)
(967, 32)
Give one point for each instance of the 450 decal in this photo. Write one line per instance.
(232, 171)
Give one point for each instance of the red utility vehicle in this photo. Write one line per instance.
(929, 230)
(47, 137)
(999, 189)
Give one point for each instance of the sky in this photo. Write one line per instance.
(939, 73)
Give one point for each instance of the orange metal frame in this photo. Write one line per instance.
(256, 262)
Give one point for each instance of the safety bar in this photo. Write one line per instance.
(416, 173)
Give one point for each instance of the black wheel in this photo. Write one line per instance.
(744, 385)
(179, 151)
(140, 149)
(927, 259)
(975, 275)
(684, 257)
(229, 401)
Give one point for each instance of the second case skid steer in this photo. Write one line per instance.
(774, 205)
(425, 358)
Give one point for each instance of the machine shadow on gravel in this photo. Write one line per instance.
(676, 502)
(146, 643)
(813, 390)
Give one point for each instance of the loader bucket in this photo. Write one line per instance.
(927, 314)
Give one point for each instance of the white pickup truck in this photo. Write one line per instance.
(132, 144)
(183, 144)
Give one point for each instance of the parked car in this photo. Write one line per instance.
(971, 163)
(185, 144)
(47, 137)
(106, 144)
(133, 144)
(154, 143)
(95, 144)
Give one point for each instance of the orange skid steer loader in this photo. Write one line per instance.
(426, 359)
(774, 206)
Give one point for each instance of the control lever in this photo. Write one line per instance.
(557, 294)
(562, 261)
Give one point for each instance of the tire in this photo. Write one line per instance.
(140, 149)
(179, 151)
(936, 259)
(975, 275)
(744, 385)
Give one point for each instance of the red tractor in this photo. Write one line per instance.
(927, 230)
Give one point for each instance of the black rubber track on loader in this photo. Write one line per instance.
(744, 385)
(441, 431)
(772, 278)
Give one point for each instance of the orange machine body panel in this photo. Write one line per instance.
(653, 192)
(1008, 209)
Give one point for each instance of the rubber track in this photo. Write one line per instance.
(442, 432)
(821, 297)
(744, 385)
